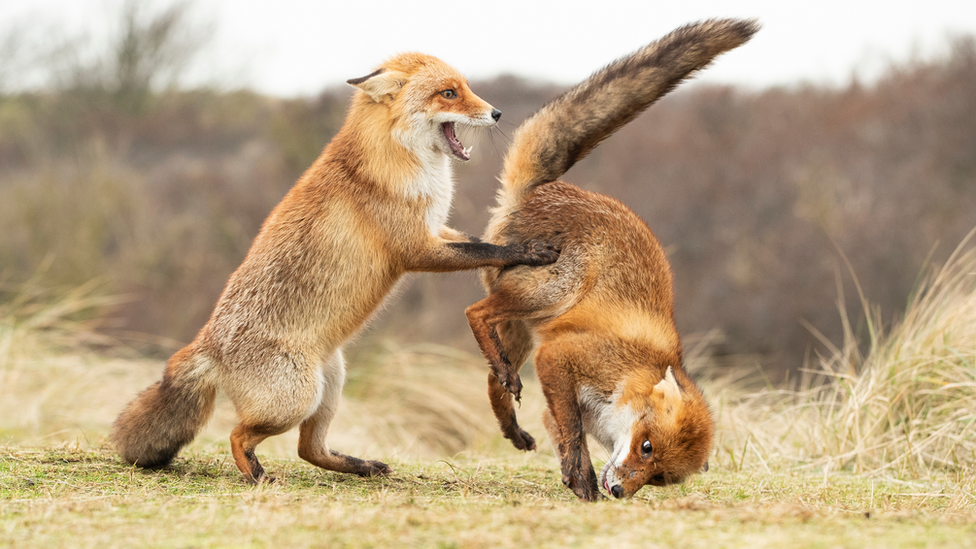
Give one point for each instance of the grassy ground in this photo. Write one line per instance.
(61, 486)
(87, 498)
(875, 448)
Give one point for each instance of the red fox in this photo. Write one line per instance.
(370, 209)
(609, 355)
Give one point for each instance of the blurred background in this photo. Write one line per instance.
(142, 143)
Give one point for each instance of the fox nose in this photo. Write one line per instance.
(496, 114)
(617, 491)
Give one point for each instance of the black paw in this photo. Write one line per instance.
(583, 485)
(521, 440)
(511, 381)
(373, 468)
(263, 478)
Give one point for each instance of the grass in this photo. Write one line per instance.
(87, 498)
(905, 407)
(874, 448)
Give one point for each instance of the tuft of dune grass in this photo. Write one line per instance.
(46, 340)
(904, 406)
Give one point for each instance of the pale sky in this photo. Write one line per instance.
(298, 47)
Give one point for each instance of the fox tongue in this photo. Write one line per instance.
(456, 147)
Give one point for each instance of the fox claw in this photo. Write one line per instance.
(512, 383)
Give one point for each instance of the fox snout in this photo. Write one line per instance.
(451, 144)
(624, 482)
(485, 116)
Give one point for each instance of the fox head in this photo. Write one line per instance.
(670, 438)
(425, 100)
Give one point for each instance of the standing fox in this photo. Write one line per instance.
(371, 208)
(609, 356)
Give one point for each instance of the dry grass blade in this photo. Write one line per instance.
(906, 406)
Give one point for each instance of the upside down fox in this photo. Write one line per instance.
(371, 208)
(609, 355)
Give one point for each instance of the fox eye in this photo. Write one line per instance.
(448, 94)
(646, 448)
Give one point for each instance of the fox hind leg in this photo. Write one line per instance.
(266, 409)
(243, 439)
(270, 407)
(484, 318)
(312, 432)
(521, 293)
(514, 336)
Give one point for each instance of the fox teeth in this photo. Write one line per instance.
(467, 150)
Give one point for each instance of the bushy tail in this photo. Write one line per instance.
(168, 414)
(561, 133)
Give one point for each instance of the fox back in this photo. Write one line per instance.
(609, 355)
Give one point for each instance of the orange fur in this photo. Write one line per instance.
(371, 208)
(609, 356)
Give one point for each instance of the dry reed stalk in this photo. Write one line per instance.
(905, 407)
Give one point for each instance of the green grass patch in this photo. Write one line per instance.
(89, 498)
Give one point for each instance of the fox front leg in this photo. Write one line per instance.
(564, 422)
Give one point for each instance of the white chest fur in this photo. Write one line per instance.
(434, 185)
(434, 181)
(609, 423)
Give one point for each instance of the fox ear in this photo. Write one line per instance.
(669, 385)
(382, 86)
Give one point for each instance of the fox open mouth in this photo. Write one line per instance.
(457, 148)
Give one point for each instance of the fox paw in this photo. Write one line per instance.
(521, 440)
(373, 468)
(586, 491)
(539, 253)
(263, 478)
(511, 381)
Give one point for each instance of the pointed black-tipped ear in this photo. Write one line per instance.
(357, 81)
(381, 85)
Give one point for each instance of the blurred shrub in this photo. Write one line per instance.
(753, 193)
